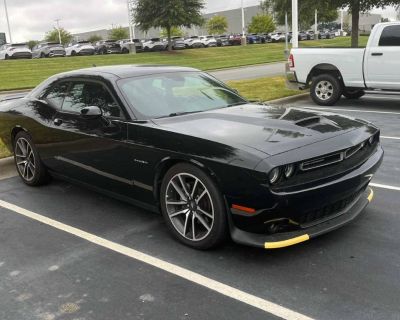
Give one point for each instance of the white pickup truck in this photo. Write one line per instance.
(333, 72)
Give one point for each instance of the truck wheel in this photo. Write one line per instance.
(326, 90)
(353, 94)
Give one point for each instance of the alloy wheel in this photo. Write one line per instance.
(189, 206)
(324, 90)
(25, 159)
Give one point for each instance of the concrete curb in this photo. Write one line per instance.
(7, 168)
(288, 99)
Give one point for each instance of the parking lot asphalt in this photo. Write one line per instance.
(46, 273)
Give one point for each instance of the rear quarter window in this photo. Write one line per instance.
(390, 36)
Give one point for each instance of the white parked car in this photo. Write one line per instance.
(208, 41)
(278, 37)
(333, 72)
(80, 48)
(154, 44)
(15, 51)
(193, 42)
(126, 42)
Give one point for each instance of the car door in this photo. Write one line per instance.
(93, 150)
(382, 63)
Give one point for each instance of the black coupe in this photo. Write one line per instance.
(179, 141)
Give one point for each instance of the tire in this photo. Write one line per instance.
(326, 89)
(6, 57)
(27, 161)
(42, 55)
(73, 53)
(125, 50)
(353, 94)
(209, 220)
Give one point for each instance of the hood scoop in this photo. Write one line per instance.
(314, 121)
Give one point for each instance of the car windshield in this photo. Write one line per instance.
(172, 94)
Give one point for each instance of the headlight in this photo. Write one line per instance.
(289, 170)
(274, 175)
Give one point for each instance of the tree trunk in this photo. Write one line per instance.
(169, 38)
(355, 17)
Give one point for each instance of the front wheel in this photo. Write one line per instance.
(353, 94)
(326, 89)
(193, 207)
(29, 166)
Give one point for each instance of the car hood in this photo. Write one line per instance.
(268, 129)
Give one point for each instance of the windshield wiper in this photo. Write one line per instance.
(236, 104)
(175, 114)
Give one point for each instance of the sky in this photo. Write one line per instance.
(30, 19)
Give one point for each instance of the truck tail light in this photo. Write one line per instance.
(291, 61)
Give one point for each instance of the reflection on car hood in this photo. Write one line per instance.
(268, 129)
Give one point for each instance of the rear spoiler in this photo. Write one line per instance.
(15, 96)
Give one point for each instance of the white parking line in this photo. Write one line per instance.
(351, 110)
(226, 290)
(384, 186)
(387, 137)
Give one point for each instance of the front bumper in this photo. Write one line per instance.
(286, 239)
(21, 55)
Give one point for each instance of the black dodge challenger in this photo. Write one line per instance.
(179, 141)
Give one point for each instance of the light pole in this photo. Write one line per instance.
(295, 26)
(243, 27)
(8, 21)
(316, 25)
(58, 29)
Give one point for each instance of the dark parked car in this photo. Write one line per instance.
(302, 36)
(107, 47)
(222, 40)
(326, 34)
(177, 140)
(48, 50)
(235, 40)
(253, 38)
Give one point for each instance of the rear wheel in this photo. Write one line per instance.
(192, 207)
(7, 57)
(42, 55)
(353, 94)
(29, 166)
(73, 53)
(326, 89)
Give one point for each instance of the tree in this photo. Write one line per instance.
(95, 38)
(327, 11)
(217, 25)
(168, 14)
(261, 23)
(356, 7)
(118, 33)
(32, 43)
(175, 32)
(52, 36)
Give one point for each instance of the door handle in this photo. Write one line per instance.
(376, 54)
(58, 121)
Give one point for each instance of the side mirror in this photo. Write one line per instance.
(91, 112)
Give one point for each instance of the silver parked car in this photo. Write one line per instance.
(48, 50)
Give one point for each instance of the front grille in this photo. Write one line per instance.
(329, 166)
(316, 216)
(57, 52)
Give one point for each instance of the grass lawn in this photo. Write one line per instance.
(262, 89)
(23, 74)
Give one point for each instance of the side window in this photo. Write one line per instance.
(55, 96)
(84, 94)
(96, 94)
(390, 36)
(74, 101)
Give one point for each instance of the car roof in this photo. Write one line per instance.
(127, 71)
